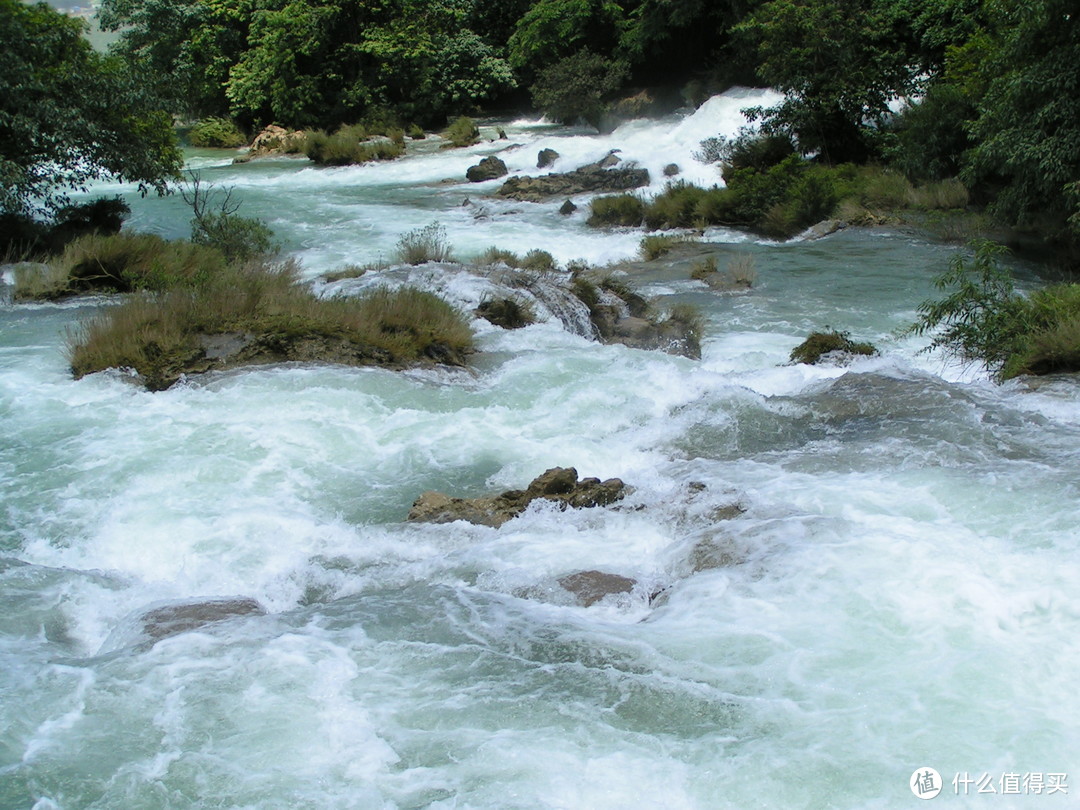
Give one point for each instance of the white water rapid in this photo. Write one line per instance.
(863, 570)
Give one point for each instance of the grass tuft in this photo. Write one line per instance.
(427, 244)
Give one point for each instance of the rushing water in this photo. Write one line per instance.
(899, 591)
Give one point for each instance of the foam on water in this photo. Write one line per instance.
(843, 572)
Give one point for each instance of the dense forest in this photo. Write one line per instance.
(987, 91)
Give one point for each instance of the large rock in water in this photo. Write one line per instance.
(489, 168)
(559, 484)
(273, 140)
(589, 179)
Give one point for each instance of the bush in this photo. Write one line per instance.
(349, 146)
(496, 255)
(427, 244)
(982, 318)
(239, 239)
(462, 132)
(122, 263)
(676, 206)
(818, 344)
(216, 133)
(705, 269)
(626, 210)
(748, 150)
(578, 86)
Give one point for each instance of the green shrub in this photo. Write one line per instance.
(748, 150)
(982, 318)
(812, 349)
(626, 210)
(586, 292)
(427, 244)
(676, 206)
(349, 146)
(216, 133)
(239, 239)
(462, 132)
(416, 132)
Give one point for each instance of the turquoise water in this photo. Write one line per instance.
(899, 591)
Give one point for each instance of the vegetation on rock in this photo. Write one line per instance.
(819, 344)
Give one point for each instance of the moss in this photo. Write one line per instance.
(655, 246)
(818, 344)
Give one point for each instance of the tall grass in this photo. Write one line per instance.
(350, 145)
(160, 335)
(427, 244)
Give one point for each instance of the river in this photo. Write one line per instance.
(894, 570)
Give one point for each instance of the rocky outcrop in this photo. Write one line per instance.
(490, 168)
(545, 157)
(273, 140)
(559, 485)
(594, 178)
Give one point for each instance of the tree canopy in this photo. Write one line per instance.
(69, 115)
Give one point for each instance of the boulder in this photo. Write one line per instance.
(490, 168)
(567, 208)
(559, 484)
(593, 178)
(609, 160)
(545, 157)
(589, 587)
(671, 170)
(274, 140)
(181, 617)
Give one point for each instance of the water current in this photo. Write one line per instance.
(866, 569)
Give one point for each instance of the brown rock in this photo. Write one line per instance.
(489, 168)
(545, 157)
(589, 587)
(170, 620)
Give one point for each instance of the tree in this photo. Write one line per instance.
(578, 86)
(1028, 129)
(69, 115)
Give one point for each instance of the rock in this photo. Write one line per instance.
(588, 179)
(609, 160)
(274, 140)
(505, 312)
(545, 157)
(589, 587)
(567, 208)
(823, 228)
(490, 168)
(671, 170)
(177, 618)
(558, 484)
(501, 133)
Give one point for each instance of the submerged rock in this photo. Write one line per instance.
(559, 484)
(489, 168)
(589, 587)
(170, 620)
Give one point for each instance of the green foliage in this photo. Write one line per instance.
(578, 86)
(23, 236)
(427, 244)
(747, 150)
(462, 132)
(69, 115)
(626, 210)
(216, 133)
(982, 319)
(496, 255)
(700, 271)
(238, 238)
(552, 30)
(349, 145)
(932, 135)
(1028, 129)
(818, 344)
